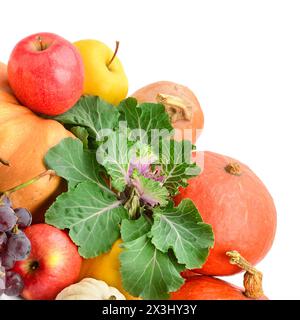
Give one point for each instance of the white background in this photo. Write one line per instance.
(241, 58)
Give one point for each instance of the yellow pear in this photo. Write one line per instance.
(104, 75)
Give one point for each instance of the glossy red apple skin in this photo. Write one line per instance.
(53, 264)
(48, 81)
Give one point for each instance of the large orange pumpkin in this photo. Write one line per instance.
(24, 140)
(240, 209)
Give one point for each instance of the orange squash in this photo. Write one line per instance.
(209, 288)
(239, 208)
(24, 140)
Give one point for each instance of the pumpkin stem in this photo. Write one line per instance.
(234, 168)
(115, 53)
(252, 277)
(176, 107)
(29, 182)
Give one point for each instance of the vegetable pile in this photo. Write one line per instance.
(122, 203)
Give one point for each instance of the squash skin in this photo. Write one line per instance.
(6, 93)
(90, 289)
(239, 208)
(25, 139)
(209, 288)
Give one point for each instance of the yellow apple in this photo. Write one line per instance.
(104, 75)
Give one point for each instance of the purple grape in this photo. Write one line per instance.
(7, 261)
(7, 218)
(13, 284)
(24, 217)
(18, 246)
(3, 240)
(5, 201)
(2, 280)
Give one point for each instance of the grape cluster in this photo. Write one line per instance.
(14, 245)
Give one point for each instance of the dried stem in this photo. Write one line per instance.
(252, 276)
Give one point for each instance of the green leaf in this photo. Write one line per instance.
(113, 156)
(144, 118)
(71, 162)
(175, 159)
(150, 191)
(92, 215)
(92, 113)
(182, 230)
(133, 229)
(129, 111)
(147, 272)
(82, 134)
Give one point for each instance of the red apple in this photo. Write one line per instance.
(53, 264)
(46, 73)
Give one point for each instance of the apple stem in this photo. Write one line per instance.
(27, 183)
(42, 46)
(115, 53)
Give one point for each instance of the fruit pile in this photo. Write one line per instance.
(122, 203)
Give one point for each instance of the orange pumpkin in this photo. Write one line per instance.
(239, 207)
(209, 288)
(25, 139)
